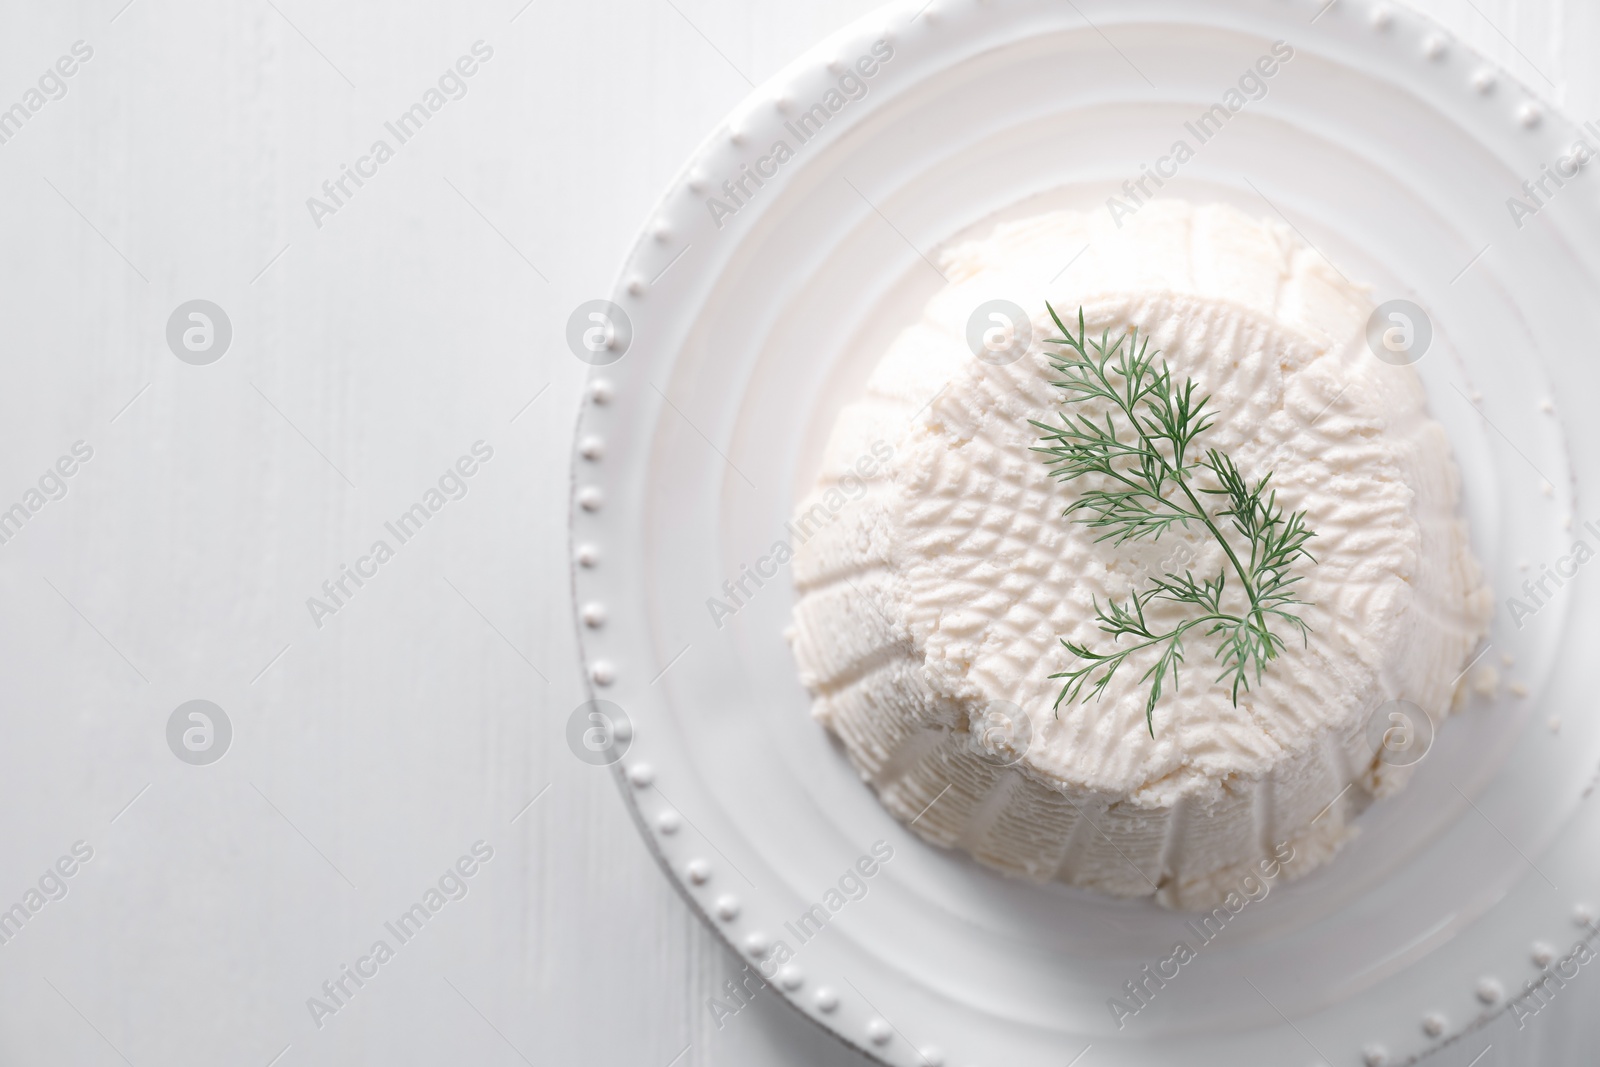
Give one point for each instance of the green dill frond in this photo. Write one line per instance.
(1144, 449)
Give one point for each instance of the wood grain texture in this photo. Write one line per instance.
(368, 354)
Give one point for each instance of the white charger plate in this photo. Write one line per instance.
(1392, 149)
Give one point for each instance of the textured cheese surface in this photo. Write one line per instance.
(933, 603)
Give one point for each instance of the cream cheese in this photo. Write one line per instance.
(934, 607)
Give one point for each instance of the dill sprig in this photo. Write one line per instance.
(1150, 471)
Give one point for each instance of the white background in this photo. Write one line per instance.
(367, 355)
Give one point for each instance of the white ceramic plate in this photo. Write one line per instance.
(1391, 149)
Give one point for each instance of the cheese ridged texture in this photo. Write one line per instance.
(944, 581)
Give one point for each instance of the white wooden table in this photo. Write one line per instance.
(374, 341)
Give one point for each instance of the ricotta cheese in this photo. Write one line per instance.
(932, 608)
